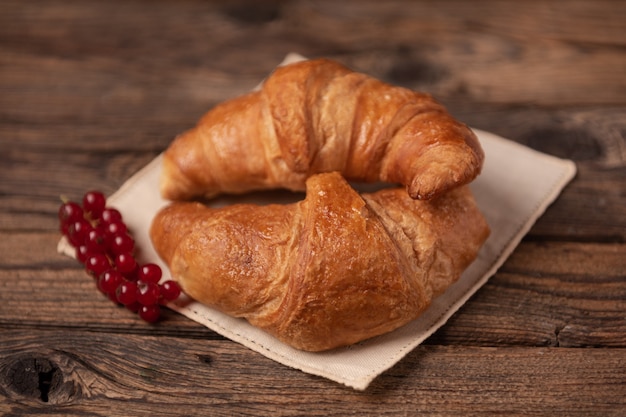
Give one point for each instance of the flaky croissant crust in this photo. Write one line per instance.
(319, 116)
(328, 271)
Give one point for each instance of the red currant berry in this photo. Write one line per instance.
(150, 273)
(68, 213)
(78, 231)
(82, 253)
(94, 203)
(127, 293)
(121, 243)
(148, 293)
(125, 263)
(96, 264)
(150, 313)
(115, 228)
(95, 241)
(110, 215)
(170, 290)
(109, 280)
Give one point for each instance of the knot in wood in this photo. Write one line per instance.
(33, 377)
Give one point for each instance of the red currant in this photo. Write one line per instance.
(125, 263)
(127, 293)
(109, 280)
(150, 273)
(115, 228)
(111, 215)
(106, 249)
(170, 290)
(147, 293)
(96, 264)
(94, 203)
(95, 241)
(121, 243)
(69, 212)
(82, 253)
(78, 231)
(150, 313)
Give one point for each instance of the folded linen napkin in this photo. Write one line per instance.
(515, 187)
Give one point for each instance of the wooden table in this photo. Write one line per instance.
(91, 91)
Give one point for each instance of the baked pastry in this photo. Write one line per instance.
(319, 116)
(328, 271)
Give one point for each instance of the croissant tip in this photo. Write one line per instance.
(425, 187)
(418, 195)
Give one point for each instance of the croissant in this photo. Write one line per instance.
(327, 271)
(319, 116)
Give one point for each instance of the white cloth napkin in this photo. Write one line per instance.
(516, 186)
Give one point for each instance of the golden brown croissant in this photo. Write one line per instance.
(319, 116)
(328, 271)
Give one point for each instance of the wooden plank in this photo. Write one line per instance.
(598, 22)
(112, 374)
(591, 208)
(436, 47)
(591, 136)
(487, 53)
(548, 294)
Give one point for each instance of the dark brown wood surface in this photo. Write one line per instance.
(90, 91)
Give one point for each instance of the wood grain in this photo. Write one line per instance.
(92, 91)
(106, 374)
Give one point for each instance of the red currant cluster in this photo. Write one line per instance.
(105, 247)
